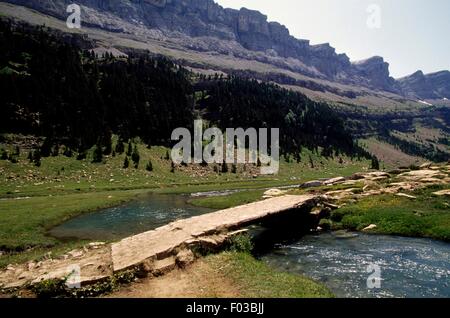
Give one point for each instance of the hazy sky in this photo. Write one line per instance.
(412, 34)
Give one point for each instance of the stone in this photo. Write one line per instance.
(432, 180)
(185, 258)
(334, 181)
(370, 227)
(76, 253)
(204, 25)
(404, 195)
(96, 244)
(418, 175)
(425, 165)
(442, 193)
(312, 184)
(273, 193)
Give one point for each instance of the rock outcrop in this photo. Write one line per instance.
(426, 86)
(376, 71)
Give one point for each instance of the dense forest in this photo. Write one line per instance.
(53, 88)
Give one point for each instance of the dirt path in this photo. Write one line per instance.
(199, 280)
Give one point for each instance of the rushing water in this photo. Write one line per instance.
(145, 214)
(409, 267)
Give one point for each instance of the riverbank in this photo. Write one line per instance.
(34, 199)
(411, 203)
(224, 275)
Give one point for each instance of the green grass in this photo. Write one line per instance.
(62, 175)
(229, 201)
(426, 216)
(24, 223)
(34, 199)
(257, 280)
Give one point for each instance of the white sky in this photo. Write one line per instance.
(413, 35)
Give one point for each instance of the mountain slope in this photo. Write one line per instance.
(203, 25)
(202, 38)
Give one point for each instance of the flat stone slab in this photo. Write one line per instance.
(161, 242)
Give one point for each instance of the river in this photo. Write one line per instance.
(404, 267)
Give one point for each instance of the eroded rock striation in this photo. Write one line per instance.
(205, 26)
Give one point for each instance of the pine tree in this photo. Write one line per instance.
(311, 162)
(167, 157)
(120, 147)
(98, 154)
(149, 166)
(37, 158)
(136, 157)
(126, 163)
(68, 152)
(108, 147)
(375, 165)
(224, 167)
(82, 155)
(172, 167)
(130, 149)
(4, 155)
(46, 148)
(55, 151)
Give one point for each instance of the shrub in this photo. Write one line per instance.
(241, 243)
(4, 155)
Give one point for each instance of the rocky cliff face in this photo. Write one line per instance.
(426, 86)
(376, 71)
(205, 26)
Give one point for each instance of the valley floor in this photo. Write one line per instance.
(226, 275)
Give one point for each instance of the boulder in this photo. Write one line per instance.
(185, 258)
(404, 195)
(370, 227)
(334, 181)
(312, 184)
(273, 193)
(442, 193)
(417, 175)
(426, 165)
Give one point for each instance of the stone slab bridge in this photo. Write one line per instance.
(153, 252)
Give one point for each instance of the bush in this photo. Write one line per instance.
(13, 159)
(326, 224)
(4, 155)
(241, 243)
(82, 155)
(49, 288)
